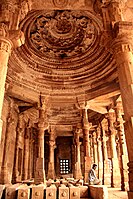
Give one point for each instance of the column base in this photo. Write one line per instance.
(40, 172)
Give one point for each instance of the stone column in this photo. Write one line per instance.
(122, 145)
(42, 126)
(6, 171)
(87, 158)
(115, 178)
(106, 169)
(8, 40)
(77, 173)
(17, 170)
(26, 154)
(99, 152)
(94, 141)
(5, 50)
(39, 171)
(123, 51)
(52, 146)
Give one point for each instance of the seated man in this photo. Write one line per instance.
(93, 180)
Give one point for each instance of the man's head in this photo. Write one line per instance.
(94, 166)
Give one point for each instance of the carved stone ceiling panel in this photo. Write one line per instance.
(63, 54)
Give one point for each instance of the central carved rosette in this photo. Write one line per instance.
(62, 34)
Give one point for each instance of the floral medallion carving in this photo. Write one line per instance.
(62, 34)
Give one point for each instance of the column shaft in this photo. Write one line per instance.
(5, 50)
(87, 158)
(77, 173)
(26, 154)
(122, 146)
(51, 165)
(123, 52)
(115, 178)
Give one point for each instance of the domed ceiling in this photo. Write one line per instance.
(65, 58)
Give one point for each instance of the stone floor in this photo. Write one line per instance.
(115, 193)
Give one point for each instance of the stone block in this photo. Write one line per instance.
(74, 192)
(51, 192)
(2, 187)
(63, 192)
(98, 191)
(38, 192)
(84, 192)
(11, 191)
(23, 193)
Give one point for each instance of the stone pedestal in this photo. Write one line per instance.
(24, 193)
(74, 192)
(38, 192)
(63, 192)
(51, 192)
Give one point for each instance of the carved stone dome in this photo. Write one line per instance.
(63, 54)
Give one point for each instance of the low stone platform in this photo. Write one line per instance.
(98, 191)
